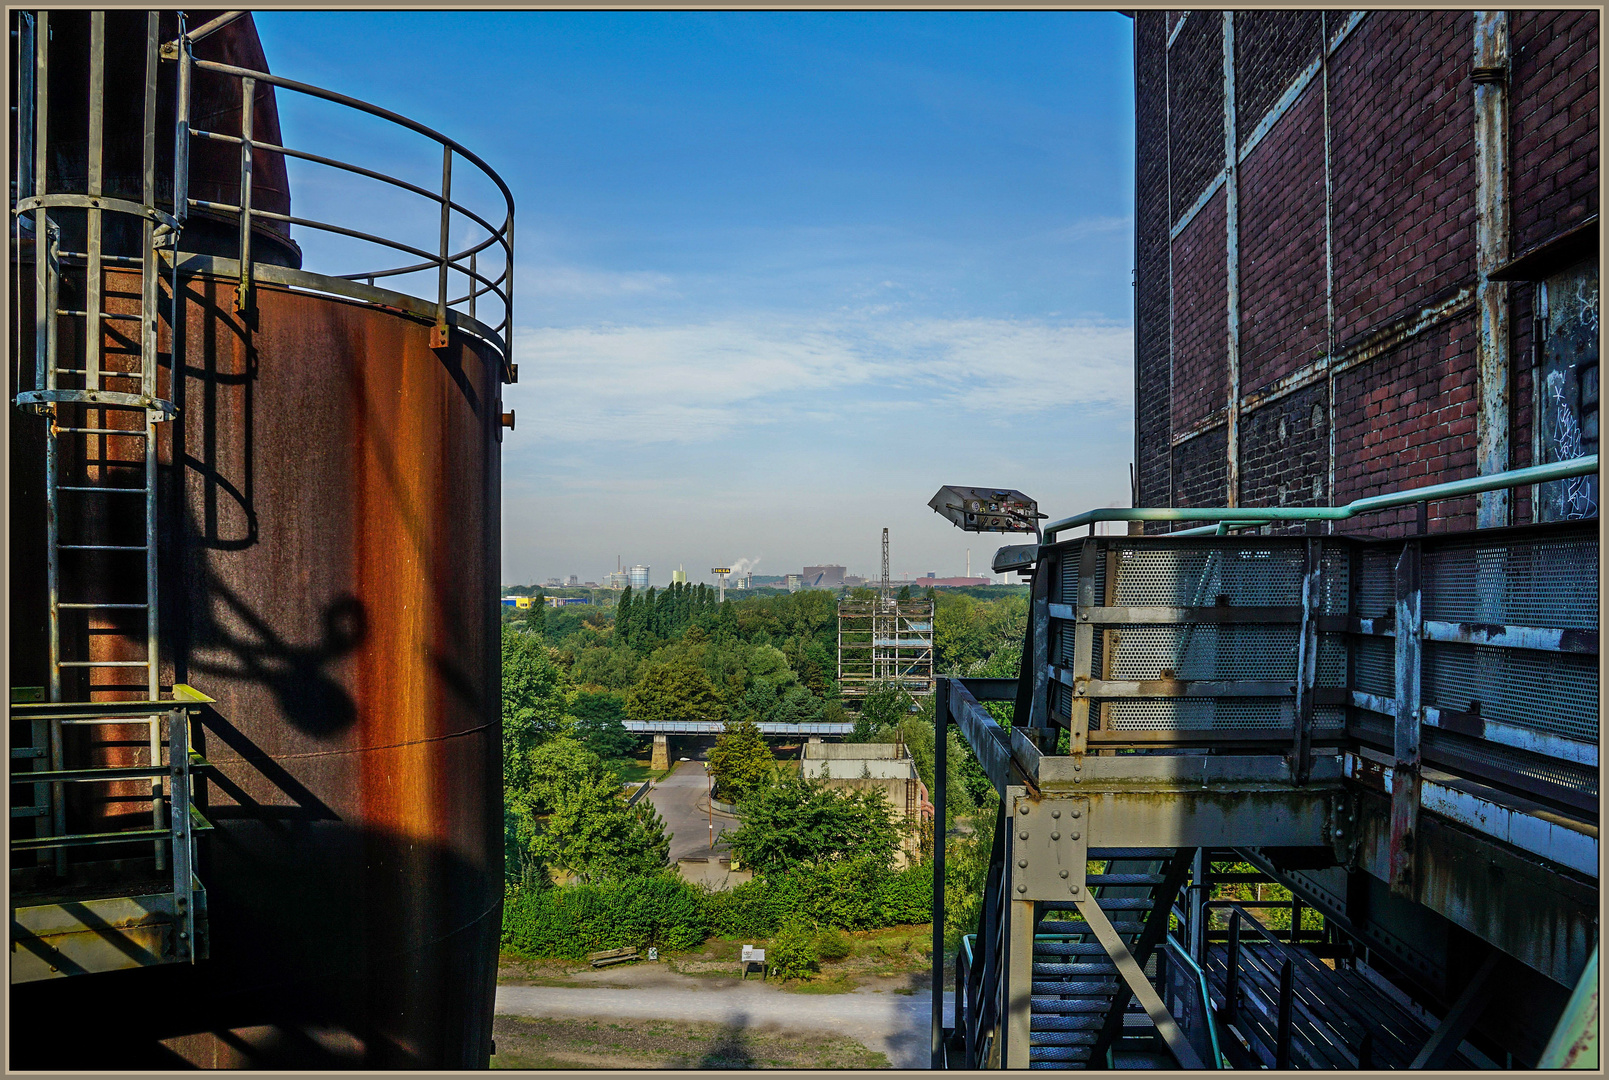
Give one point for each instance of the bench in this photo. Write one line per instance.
(612, 956)
(751, 957)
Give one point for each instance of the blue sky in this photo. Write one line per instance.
(780, 275)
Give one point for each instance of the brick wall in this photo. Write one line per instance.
(1196, 120)
(1554, 129)
(1152, 340)
(1271, 49)
(1402, 209)
(1403, 151)
(1285, 451)
(1283, 316)
(1407, 418)
(1200, 317)
(1200, 469)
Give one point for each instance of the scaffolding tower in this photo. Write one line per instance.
(885, 640)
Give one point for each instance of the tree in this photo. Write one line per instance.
(740, 761)
(797, 822)
(600, 723)
(582, 824)
(885, 704)
(535, 694)
(674, 692)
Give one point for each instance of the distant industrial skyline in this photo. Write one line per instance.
(781, 275)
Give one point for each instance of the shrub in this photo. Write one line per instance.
(793, 952)
(572, 920)
(833, 945)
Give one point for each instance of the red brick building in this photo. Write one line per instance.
(1366, 257)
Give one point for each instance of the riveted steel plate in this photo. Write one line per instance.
(1049, 848)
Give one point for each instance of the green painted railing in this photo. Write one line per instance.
(1248, 516)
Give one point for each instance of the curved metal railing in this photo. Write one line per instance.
(473, 284)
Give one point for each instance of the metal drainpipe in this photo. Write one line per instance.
(1491, 66)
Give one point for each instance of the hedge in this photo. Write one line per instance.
(570, 921)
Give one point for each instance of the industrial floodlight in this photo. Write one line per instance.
(977, 509)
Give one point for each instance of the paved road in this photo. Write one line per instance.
(682, 799)
(898, 1025)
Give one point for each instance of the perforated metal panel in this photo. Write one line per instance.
(1377, 589)
(1201, 577)
(1204, 651)
(1550, 582)
(1374, 668)
(1552, 692)
(1199, 714)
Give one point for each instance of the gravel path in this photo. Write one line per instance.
(898, 1025)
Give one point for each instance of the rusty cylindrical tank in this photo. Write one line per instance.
(328, 555)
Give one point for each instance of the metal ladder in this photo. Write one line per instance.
(93, 408)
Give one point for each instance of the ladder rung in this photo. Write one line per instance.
(134, 433)
(104, 314)
(99, 606)
(109, 373)
(19, 753)
(29, 811)
(138, 490)
(104, 663)
(100, 547)
(116, 260)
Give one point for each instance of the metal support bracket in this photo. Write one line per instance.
(1083, 650)
(1049, 847)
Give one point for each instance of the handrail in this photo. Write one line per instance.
(498, 284)
(1178, 954)
(1258, 515)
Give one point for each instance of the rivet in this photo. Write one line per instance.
(1022, 808)
(1073, 889)
(1022, 888)
(1064, 873)
(1055, 813)
(1077, 835)
(1055, 836)
(1078, 768)
(1023, 863)
(1022, 836)
(1078, 813)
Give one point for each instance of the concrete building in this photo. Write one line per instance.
(1366, 257)
(823, 577)
(638, 576)
(884, 767)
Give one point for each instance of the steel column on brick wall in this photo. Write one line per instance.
(1491, 251)
(1232, 267)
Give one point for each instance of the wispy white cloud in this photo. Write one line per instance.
(700, 381)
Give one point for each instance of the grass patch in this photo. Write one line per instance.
(576, 1043)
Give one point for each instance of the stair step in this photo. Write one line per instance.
(1133, 853)
(1106, 903)
(1093, 1010)
(1105, 967)
(1067, 1032)
(1103, 986)
(1123, 879)
(1058, 1053)
(1079, 926)
(1065, 948)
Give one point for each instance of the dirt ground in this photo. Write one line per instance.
(693, 1010)
(574, 1043)
(896, 960)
